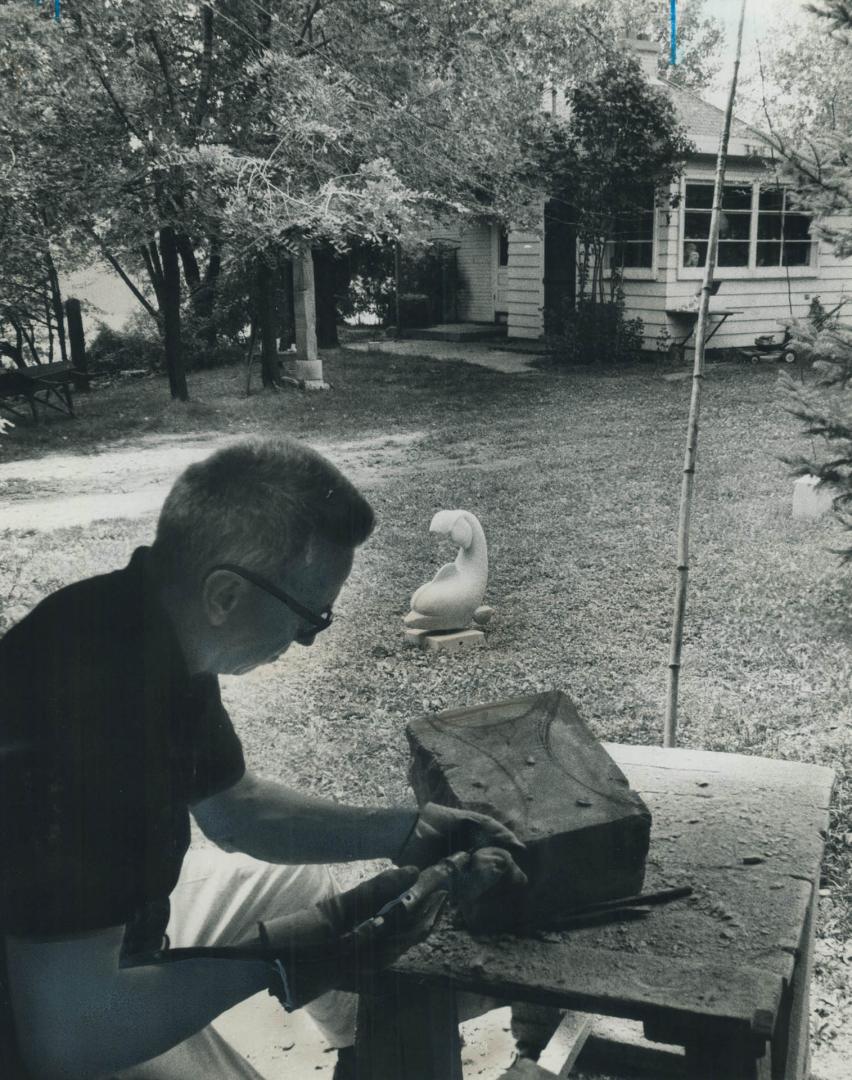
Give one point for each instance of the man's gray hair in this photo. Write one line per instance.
(258, 503)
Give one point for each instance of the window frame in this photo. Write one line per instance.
(752, 271)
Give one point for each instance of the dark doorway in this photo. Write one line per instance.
(560, 261)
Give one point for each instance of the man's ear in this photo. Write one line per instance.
(220, 595)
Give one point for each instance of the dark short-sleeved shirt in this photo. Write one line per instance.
(105, 741)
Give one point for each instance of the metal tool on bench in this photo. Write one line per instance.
(623, 908)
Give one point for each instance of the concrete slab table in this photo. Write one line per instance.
(724, 974)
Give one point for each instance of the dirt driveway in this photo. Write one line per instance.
(62, 490)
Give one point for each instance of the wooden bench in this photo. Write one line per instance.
(45, 385)
(723, 975)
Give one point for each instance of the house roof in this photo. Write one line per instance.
(704, 122)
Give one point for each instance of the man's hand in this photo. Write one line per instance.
(340, 943)
(441, 830)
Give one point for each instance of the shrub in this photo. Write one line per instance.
(595, 333)
(128, 349)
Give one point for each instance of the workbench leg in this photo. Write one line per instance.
(408, 1031)
(791, 1047)
(713, 1055)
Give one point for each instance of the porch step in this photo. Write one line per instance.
(458, 332)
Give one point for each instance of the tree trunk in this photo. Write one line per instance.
(206, 298)
(56, 301)
(48, 321)
(79, 360)
(16, 352)
(191, 272)
(286, 307)
(325, 282)
(397, 287)
(170, 306)
(265, 306)
(691, 451)
(29, 337)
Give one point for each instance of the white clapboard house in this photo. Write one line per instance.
(770, 266)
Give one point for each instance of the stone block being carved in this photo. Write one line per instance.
(533, 764)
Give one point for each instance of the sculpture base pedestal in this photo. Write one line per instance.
(445, 640)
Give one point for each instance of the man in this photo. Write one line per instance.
(113, 730)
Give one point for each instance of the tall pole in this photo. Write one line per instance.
(688, 480)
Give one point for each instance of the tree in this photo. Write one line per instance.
(31, 200)
(700, 35)
(381, 121)
(196, 143)
(618, 147)
(822, 173)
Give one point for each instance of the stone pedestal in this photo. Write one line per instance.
(445, 641)
(307, 363)
(533, 764)
(809, 501)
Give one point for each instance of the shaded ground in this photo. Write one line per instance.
(576, 479)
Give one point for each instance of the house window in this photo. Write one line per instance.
(734, 224)
(779, 237)
(783, 233)
(632, 246)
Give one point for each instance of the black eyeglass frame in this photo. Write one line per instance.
(321, 622)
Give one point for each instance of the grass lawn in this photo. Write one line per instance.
(576, 479)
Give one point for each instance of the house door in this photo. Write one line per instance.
(560, 259)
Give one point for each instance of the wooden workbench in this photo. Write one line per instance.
(724, 974)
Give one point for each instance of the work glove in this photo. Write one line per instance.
(342, 942)
(442, 830)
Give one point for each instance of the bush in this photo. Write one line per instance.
(137, 347)
(594, 333)
(131, 348)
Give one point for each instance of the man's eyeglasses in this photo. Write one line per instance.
(319, 622)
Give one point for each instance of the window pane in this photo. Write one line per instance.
(771, 198)
(734, 226)
(736, 197)
(694, 254)
(638, 255)
(638, 229)
(769, 227)
(733, 253)
(697, 226)
(796, 227)
(769, 253)
(699, 196)
(797, 254)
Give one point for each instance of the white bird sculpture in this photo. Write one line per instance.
(452, 599)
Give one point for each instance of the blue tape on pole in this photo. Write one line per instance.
(673, 51)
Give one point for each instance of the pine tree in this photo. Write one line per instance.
(825, 338)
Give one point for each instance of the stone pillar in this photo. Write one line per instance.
(307, 367)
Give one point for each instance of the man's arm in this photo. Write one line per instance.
(278, 824)
(79, 1015)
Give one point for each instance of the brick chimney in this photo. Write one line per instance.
(646, 52)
